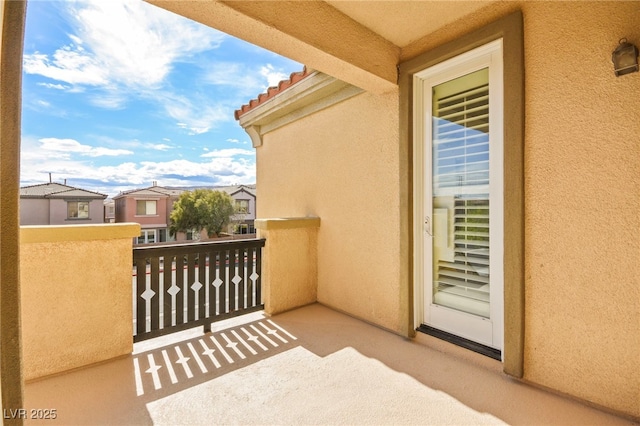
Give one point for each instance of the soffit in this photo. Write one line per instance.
(360, 42)
(404, 22)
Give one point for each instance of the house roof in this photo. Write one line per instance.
(232, 190)
(152, 191)
(272, 92)
(163, 191)
(57, 190)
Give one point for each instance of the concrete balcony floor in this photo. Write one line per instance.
(308, 366)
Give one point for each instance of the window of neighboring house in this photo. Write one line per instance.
(77, 210)
(242, 206)
(192, 235)
(147, 236)
(146, 207)
(242, 229)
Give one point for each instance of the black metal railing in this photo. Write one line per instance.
(181, 286)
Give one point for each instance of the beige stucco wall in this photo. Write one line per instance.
(582, 176)
(582, 184)
(341, 164)
(582, 187)
(289, 262)
(76, 295)
(12, 15)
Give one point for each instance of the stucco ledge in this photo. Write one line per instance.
(59, 233)
(287, 223)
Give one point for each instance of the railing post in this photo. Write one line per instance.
(290, 265)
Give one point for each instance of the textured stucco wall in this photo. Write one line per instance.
(582, 184)
(289, 263)
(582, 187)
(582, 178)
(76, 296)
(341, 164)
(12, 14)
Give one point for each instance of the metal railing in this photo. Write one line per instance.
(181, 286)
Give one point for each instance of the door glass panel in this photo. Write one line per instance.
(460, 136)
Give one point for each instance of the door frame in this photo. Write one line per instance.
(458, 323)
(511, 29)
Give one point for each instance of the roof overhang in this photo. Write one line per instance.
(314, 93)
(359, 42)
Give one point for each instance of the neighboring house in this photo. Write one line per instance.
(58, 204)
(151, 207)
(109, 211)
(244, 197)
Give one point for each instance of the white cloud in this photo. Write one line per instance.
(67, 146)
(233, 140)
(273, 75)
(67, 66)
(37, 163)
(112, 100)
(122, 44)
(197, 116)
(242, 78)
(227, 153)
(160, 146)
(53, 86)
(245, 79)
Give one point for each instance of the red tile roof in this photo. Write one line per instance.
(272, 91)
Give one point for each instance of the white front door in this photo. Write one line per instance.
(459, 195)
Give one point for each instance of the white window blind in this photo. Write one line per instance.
(461, 184)
(146, 207)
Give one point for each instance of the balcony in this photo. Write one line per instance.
(309, 365)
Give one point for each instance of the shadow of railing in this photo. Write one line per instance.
(174, 367)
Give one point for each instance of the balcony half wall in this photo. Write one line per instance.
(76, 295)
(290, 262)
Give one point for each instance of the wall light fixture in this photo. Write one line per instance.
(625, 58)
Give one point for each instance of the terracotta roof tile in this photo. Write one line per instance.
(272, 91)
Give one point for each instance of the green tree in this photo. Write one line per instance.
(201, 209)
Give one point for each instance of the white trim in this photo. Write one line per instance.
(489, 55)
(314, 93)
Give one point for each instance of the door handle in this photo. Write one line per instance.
(427, 225)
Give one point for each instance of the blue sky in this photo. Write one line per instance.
(118, 94)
